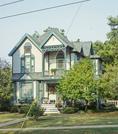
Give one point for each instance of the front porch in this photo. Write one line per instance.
(50, 95)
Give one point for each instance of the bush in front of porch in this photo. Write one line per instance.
(31, 110)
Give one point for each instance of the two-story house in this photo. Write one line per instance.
(38, 61)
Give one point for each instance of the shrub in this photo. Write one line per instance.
(14, 109)
(108, 107)
(58, 105)
(4, 105)
(69, 110)
(36, 111)
(23, 109)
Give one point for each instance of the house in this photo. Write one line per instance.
(38, 61)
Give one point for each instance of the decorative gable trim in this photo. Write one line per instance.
(48, 36)
(26, 36)
(53, 41)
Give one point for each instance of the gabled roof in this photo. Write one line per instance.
(83, 46)
(40, 40)
(26, 36)
(54, 31)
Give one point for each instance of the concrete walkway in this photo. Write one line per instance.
(60, 128)
(12, 122)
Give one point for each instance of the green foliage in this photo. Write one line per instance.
(23, 109)
(79, 82)
(36, 111)
(107, 107)
(69, 110)
(5, 85)
(14, 109)
(109, 82)
(109, 49)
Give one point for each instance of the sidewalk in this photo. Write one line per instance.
(12, 122)
(60, 128)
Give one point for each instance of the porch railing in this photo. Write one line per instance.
(55, 72)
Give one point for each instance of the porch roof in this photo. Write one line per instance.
(33, 76)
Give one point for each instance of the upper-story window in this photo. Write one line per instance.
(27, 60)
(60, 60)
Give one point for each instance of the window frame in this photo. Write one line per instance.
(21, 96)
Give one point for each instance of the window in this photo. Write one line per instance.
(22, 65)
(26, 90)
(60, 60)
(27, 48)
(27, 60)
(27, 64)
(32, 64)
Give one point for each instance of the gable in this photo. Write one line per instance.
(25, 37)
(52, 41)
(26, 77)
(83, 47)
(19, 52)
(53, 37)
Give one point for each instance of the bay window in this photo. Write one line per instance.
(26, 90)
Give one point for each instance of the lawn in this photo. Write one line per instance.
(73, 119)
(70, 131)
(9, 116)
(67, 120)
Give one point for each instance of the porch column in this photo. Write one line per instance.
(43, 65)
(70, 57)
(45, 90)
(34, 89)
(41, 91)
(18, 90)
(65, 56)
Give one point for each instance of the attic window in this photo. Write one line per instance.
(27, 47)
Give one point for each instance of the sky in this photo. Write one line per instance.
(90, 23)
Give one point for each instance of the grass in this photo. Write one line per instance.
(9, 116)
(70, 131)
(73, 119)
(67, 120)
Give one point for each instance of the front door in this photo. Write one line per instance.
(52, 93)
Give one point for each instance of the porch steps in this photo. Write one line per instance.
(50, 109)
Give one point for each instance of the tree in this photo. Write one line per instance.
(109, 53)
(109, 49)
(79, 82)
(109, 82)
(5, 85)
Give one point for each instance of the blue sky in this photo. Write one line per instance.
(89, 24)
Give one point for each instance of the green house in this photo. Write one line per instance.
(38, 62)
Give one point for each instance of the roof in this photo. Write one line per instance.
(33, 40)
(85, 47)
(40, 40)
(54, 31)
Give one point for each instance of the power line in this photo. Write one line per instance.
(43, 9)
(73, 19)
(10, 3)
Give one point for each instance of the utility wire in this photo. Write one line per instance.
(73, 19)
(10, 3)
(43, 9)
